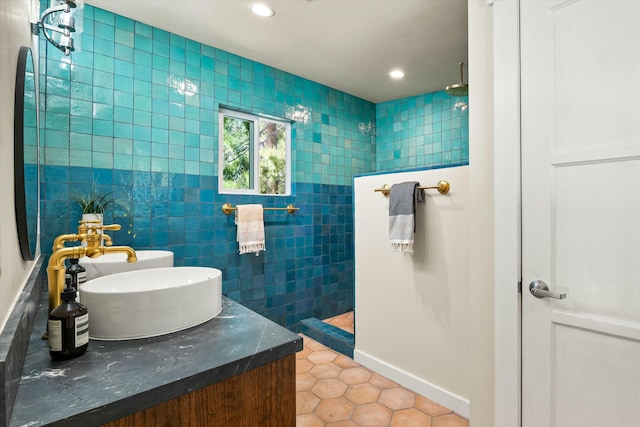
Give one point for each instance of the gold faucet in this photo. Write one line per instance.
(87, 232)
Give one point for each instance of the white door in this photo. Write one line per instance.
(580, 65)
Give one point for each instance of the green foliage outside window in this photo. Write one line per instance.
(239, 149)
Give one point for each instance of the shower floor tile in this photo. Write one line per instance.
(342, 321)
(334, 390)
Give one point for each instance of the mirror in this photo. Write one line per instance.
(25, 160)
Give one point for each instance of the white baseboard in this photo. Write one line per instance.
(430, 391)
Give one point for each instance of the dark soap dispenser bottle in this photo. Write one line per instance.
(68, 326)
(77, 272)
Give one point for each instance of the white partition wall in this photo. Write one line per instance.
(412, 312)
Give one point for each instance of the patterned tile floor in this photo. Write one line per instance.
(333, 390)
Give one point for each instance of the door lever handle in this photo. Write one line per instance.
(539, 289)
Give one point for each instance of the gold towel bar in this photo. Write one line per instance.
(227, 208)
(442, 187)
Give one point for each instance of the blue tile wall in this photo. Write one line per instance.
(135, 112)
(427, 130)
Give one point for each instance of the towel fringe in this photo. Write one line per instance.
(404, 247)
(251, 247)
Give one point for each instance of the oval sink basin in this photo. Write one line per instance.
(117, 262)
(148, 303)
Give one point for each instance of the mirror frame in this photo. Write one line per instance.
(18, 155)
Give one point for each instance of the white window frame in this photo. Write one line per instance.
(256, 119)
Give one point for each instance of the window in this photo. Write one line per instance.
(254, 154)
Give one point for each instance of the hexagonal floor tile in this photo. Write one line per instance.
(308, 420)
(322, 356)
(397, 398)
(325, 370)
(430, 407)
(306, 402)
(382, 382)
(314, 345)
(410, 418)
(357, 375)
(303, 365)
(345, 362)
(326, 389)
(362, 393)
(345, 423)
(451, 420)
(335, 409)
(372, 415)
(305, 381)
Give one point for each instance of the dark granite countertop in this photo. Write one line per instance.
(117, 378)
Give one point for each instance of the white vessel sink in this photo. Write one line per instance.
(148, 303)
(117, 262)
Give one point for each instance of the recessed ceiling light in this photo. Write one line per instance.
(396, 74)
(261, 9)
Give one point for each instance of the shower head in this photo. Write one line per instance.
(458, 89)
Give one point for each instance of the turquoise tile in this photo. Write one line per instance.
(103, 31)
(102, 95)
(80, 141)
(100, 15)
(159, 121)
(81, 158)
(123, 52)
(82, 75)
(123, 68)
(159, 135)
(143, 29)
(123, 146)
(160, 92)
(123, 161)
(141, 163)
(194, 46)
(124, 23)
(124, 37)
(160, 36)
(81, 124)
(102, 79)
(160, 106)
(123, 84)
(104, 47)
(141, 148)
(160, 48)
(176, 166)
(102, 127)
(143, 43)
(142, 118)
(141, 133)
(176, 138)
(122, 130)
(100, 160)
(159, 164)
(56, 156)
(142, 103)
(141, 88)
(192, 153)
(57, 121)
(176, 40)
(177, 68)
(176, 152)
(176, 124)
(122, 99)
(143, 59)
(161, 63)
(123, 115)
(160, 150)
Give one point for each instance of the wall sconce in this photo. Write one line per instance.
(58, 22)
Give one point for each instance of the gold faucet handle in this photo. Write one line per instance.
(110, 227)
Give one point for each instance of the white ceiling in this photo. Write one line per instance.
(349, 45)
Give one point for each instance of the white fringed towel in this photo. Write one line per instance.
(250, 222)
(402, 211)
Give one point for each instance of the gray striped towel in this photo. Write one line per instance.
(402, 212)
